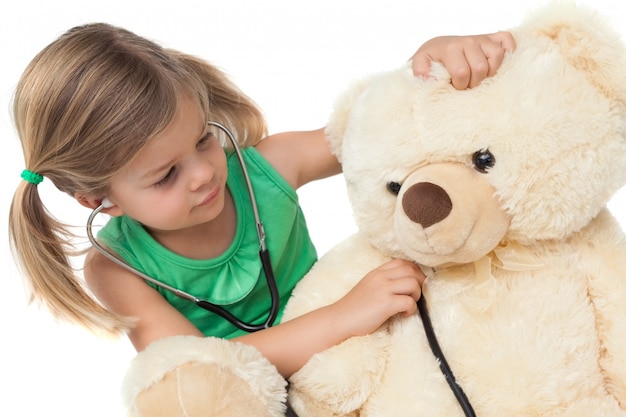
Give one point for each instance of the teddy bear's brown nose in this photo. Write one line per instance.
(426, 203)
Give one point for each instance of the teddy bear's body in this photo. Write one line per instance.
(499, 192)
(530, 340)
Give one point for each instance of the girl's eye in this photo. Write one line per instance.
(206, 138)
(166, 178)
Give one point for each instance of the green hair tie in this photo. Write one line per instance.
(32, 177)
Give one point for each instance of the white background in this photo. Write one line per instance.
(292, 57)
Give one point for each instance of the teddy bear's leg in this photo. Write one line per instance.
(199, 389)
(192, 376)
(338, 381)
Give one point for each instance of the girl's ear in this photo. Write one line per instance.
(94, 202)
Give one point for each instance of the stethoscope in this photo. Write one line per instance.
(207, 305)
(271, 283)
(460, 396)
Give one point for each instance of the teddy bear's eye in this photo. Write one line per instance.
(483, 160)
(394, 187)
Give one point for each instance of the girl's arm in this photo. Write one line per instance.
(301, 157)
(390, 289)
(126, 294)
(393, 288)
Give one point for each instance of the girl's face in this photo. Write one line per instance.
(178, 180)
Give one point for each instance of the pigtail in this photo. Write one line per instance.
(42, 248)
(84, 107)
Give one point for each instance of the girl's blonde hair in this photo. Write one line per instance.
(84, 107)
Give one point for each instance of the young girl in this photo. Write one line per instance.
(106, 114)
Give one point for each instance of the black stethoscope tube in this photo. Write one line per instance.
(466, 406)
(273, 288)
(205, 304)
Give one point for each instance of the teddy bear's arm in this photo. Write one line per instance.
(334, 275)
(337, 381)
(605, 261)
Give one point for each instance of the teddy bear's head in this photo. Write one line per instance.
(533, 153)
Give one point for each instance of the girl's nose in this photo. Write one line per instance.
(202, 172)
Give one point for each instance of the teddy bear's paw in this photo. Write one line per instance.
(306, 406)
(337, 381)
(192, 376)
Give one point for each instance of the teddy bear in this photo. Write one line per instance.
(499, 193)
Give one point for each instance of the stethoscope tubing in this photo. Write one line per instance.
(458, 392)
(205, 304)
(272, 286)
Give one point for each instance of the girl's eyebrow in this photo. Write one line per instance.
(153, 172)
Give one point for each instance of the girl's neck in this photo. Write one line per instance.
(203, 241)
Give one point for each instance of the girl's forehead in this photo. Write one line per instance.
(186, 128)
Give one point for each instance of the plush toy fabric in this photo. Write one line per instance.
(187, 376)
(500, 192)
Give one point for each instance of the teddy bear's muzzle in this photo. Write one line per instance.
(448, 212)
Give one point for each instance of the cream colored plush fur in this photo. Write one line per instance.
(526, 283)
(501, 194)
(186, 376)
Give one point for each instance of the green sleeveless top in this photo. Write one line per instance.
(235, 280)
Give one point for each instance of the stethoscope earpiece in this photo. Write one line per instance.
(263, 254)
(106, 203)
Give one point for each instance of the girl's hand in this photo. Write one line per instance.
(468, 59)
(392, 288)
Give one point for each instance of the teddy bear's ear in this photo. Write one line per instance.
(340, 116)
(587, 41)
